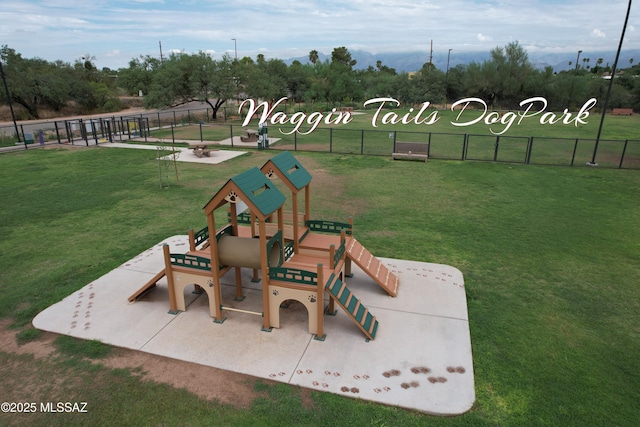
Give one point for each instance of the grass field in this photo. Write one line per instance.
(550, 257)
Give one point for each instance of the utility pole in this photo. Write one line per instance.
(6, 89)
(446, 81)
(160, 43)
(235, 47)
(431, 56)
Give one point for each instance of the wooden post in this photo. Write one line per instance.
(307, 203)
(173, 306)
(296, 236)
(233, 213)
(320, 301)
(265, 276)
(215, 265)
(332, 256)
(347, 261)
(239, 296)
(192, 240)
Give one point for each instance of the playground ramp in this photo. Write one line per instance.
(372, 266)
(357, 312)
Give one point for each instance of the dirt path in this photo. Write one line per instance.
(206, 382)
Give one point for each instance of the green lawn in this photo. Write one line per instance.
(552, 144)
(550, 256)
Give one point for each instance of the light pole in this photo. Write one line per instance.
(446, 81)
(235, 47)
(6, 89)
(606, 99)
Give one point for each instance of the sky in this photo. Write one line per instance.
(114, 32)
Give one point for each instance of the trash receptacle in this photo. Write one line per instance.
(263, 136)
(28, 138)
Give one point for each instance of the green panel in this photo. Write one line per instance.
(191, 261)
(257, 190)
(289, 250)
(277, 239)
(323, 226)
(360, 313)
(293, 275)
(292, 169)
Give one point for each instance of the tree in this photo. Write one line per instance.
(313, 56)
(139, 76)
(192, 77)
(341, 57)
(35, 83)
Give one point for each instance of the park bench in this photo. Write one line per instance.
(622, 112)
(203, 148)
(411, 151)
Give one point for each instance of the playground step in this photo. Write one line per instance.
(372, 266)
(360, 314)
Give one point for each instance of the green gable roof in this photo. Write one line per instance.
(292, 169)
(257, 190)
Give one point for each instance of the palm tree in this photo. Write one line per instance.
(313, 56)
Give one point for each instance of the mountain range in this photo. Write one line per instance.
(413, 61)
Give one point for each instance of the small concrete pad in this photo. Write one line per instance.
(420, 358)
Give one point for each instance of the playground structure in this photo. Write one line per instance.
(296, 258)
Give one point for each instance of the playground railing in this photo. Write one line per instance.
(294, 275)
(328, 226)
(191, 261)
(339, 253)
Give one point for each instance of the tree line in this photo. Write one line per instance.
(502, 81)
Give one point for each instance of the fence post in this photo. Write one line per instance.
(575, 148)
(529, 149)
(201, 132)
(23, 138)
(495, 152)
(464, 146)
(231, 130)
(55, 124)
(330, 140)
(429, 145)
(362, 141)
(624, 150)
(395, 137)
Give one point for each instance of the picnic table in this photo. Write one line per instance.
(201, 148)
(252, 136)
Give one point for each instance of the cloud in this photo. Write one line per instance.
(484, 38)
(598, 34)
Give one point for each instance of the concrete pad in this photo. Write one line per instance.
(185, 154)
(421, 357)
